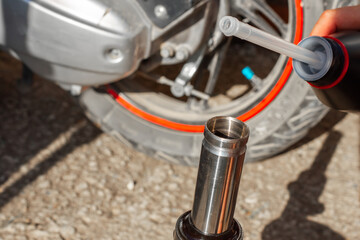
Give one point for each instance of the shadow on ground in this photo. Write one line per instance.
(83, 134)
(293, 223)
(32, 121)
(332, 118)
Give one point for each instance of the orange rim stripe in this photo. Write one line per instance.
(154, 119)
(244, 117)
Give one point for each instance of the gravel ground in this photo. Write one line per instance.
(62, 178)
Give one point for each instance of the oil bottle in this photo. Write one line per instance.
(337, 83)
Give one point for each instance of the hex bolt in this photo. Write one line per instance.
(75, 90)
(161, 12)
(114, 55)
(177, 90)
(182, 53)
(167, 51)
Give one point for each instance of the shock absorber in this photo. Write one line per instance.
(221, 163)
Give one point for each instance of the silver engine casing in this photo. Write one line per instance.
(94, 42)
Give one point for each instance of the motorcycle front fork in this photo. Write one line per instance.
(221, 162)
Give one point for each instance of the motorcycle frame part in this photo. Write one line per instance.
(185, 230)
(187, 34)
(163, 12)
(188, 89)
(92, 44)
(188, 71)
(194, 66)
(201, 59)
(214, 66)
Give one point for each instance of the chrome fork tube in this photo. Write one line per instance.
(220, 167)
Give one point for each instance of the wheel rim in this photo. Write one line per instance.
(151, 112)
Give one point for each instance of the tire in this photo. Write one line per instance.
(280, 116)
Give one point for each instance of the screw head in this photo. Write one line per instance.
(182, 54)
(161, 12)
(177, 90)
(114, 55)
(167, 51)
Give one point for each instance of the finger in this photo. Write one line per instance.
(335, 20)
(325, 25)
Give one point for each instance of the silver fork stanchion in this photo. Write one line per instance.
(220, 167)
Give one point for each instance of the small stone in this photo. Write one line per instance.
(131, 209)
(107, 152)
(24, 169)
(100, 193)
(93, 164)
(20, 227)
(85, 193)
(116, 211)
(270, 187)
(81, 186)
(251, 199)
(67, 232)
(157, 188)
(82, 211)
(99, 143)
(173, 186)
(86, 219)
(120, 199)
(156, 218)
(91, 180)
(38, 234)
(131, 185)
(260, 167)
(53, 227)
(18, 238)
(264, 214)
(69, 177)
(44, 184)
(9, 228)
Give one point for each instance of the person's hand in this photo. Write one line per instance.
(336, 20)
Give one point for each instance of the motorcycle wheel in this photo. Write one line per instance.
(279, 113)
